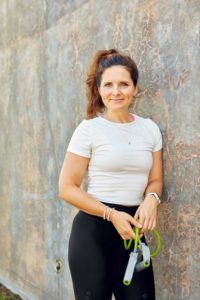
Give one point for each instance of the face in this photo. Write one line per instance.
(117, 88)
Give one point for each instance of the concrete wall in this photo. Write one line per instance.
(45, 48)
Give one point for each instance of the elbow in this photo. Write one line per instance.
(61, 195)
(62, 188)
(65, 192)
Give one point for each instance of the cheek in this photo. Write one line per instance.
(129, 94)
(104, 94)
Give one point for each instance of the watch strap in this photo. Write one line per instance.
(156, 196)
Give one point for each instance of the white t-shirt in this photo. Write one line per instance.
(120, 157)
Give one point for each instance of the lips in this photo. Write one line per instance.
(116, 99)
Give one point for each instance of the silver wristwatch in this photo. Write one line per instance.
(156, 196)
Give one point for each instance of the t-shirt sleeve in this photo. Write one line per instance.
(80, 142)
(157, 136)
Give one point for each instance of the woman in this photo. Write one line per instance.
(121, 154)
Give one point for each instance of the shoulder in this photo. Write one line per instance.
(81, 140)
(89, 124)
(148, 123)
(152, 130)
(150, 126)
(86, 127)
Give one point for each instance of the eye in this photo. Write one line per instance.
(124, 84)
(107, 84)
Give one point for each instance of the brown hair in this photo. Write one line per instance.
(102, 60)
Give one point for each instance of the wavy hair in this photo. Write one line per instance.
(102, 60)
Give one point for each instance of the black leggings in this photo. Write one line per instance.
(98, 259)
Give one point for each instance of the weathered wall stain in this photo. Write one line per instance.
(45, 48)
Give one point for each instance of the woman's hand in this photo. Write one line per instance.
(147, 213)
(124, 223)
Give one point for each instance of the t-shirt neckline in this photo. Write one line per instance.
(120, 124)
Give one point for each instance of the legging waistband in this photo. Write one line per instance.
(128, 209)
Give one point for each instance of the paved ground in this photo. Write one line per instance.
(5, 294)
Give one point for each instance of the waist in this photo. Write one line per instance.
(128, 209)
(121, 198)
(131, 210)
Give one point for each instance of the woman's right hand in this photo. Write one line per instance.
(124, 223)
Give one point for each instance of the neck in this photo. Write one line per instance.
(118, 117)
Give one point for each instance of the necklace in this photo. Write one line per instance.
(131, 119)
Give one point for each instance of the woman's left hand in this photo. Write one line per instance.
(147, 213)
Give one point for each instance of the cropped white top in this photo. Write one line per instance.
(120, 157)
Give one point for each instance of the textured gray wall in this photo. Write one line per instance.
(45, 47)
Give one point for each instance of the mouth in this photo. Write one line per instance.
(116, 99)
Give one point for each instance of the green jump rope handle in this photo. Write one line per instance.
(158, 245)
(127, 244)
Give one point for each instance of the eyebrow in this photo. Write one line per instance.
(120, 82)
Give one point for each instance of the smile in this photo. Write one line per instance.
(116, 99)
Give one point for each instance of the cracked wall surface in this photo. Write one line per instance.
(45, 48)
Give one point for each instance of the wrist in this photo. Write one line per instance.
(113, 215)
(108, 213)
(155, 196)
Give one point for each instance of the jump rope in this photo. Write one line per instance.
(139, 258)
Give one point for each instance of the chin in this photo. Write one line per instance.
(118, 108)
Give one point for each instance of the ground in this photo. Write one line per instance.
(5, 294)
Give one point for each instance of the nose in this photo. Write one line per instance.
(116, 90)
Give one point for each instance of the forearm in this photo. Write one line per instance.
(80, 199)
(154, 186)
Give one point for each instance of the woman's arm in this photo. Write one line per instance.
(72, 173)
(71, 176)
(155, 180)
(147, 211)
